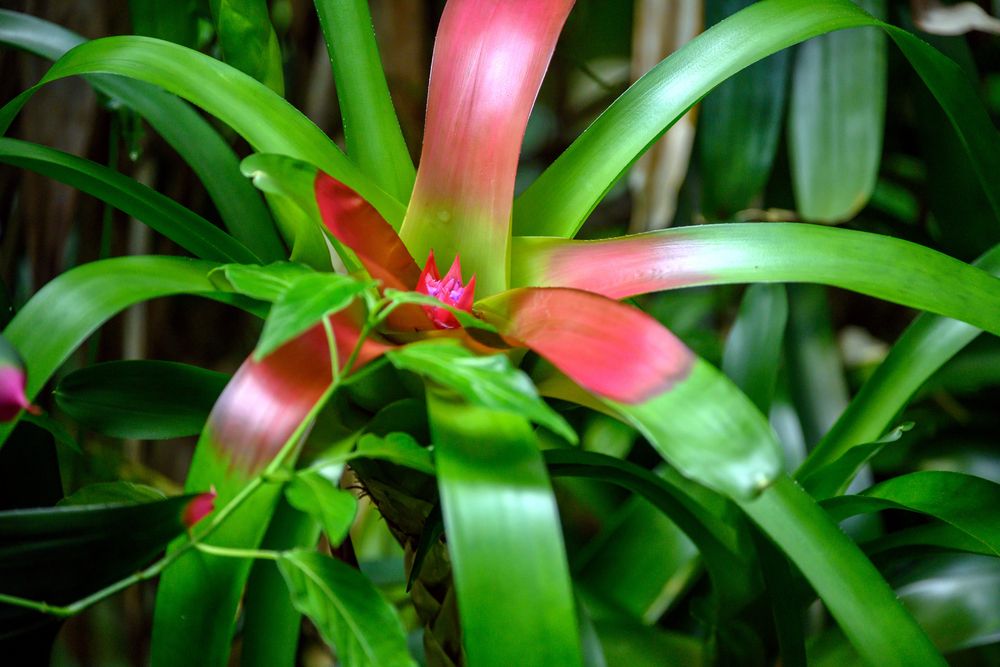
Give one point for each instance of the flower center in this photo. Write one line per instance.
(449, 290)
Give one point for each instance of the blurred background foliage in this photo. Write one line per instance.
(838, 130)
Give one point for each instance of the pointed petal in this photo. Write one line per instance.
(489, 60)
(465, 303)
(200, 506)
(356, 224)
(608, 348)
(266, 400)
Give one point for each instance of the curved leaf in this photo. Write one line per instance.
(371, 129)
(189, 134)
(869, 613)
(504, 538)
(265, 120)
(971, 504)
(179, 224)
(753, 348)
(350, 614)
(248, 41)
(880, 266)
(144, 400)
(923, 348)
(565, 194)
(75, 304)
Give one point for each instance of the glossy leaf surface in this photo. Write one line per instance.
(315, 492)
(348, 611)
(144, 400)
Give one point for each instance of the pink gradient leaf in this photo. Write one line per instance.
(610, 349)
(266, 400)
(489, 60)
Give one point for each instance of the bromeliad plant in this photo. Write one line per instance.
(453, 463)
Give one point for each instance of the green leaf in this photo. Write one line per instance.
(851, 588)
(75, 304)
(489, 382)
(179, 224)
(289, 187)
(968, 503)
(739, 125)
(371, 130)
(710, 431)
(923, 348)
(248, 40)
(264, 119)
(173, 20)
(558, 202)
(348, 611)
(266, 283)
(112, 493)
(753, 348)
(144, 400)
(59, 433)
(833, 478)
(398, 448)
(465, 318)
(63, 553)
(271, 625)
(631, 644)
(194, 139)
(309, 299)
(716, 540)
(504, 538)
(835, 120)
(316, 491)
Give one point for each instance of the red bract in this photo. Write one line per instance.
(489, 60)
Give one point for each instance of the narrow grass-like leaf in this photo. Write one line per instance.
(179, 224)
(112, 493)
(348, 611)
(371, 129)
(922, 349)
(486, 381)
(869, 613)
(504, 538)
(716, 540)
(753, 348)
(739, 125)
(561, 199)
(75, 304)
(309, 299)
(880, 266)
(194, 139)
(969, 503)
(265, 120)
(144, 400)
(833, 478)
(316, 492)
(835, 120)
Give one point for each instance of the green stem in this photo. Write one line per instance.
(259, 554)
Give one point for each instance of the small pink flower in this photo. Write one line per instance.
(12, 398)
(201, 506)
(449, 290)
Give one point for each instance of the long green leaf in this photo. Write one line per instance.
(971, 504)
(145, 400)
(739, 125)
(502, 526)
(177, 223)
(835, 120)
(371, 129)
(753, 348)
(248, 40)
(562, 198)
(75, 304)
(922, 349)
(855, 593)
(271, 624)
(716, 540)
(347, 610)
(265, 120)
(197, 142)
(880, 266)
